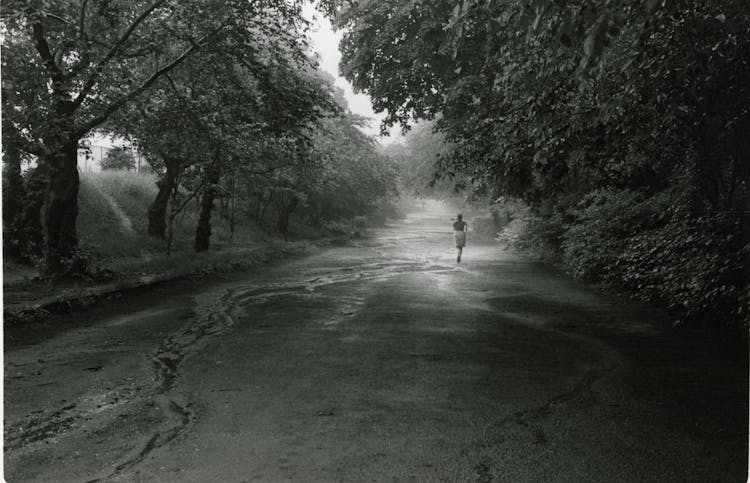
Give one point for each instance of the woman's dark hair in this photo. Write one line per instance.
(460, 217)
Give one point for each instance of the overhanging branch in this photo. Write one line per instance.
(112, 108)
(91, 82)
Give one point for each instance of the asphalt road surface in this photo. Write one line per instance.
(380, 360)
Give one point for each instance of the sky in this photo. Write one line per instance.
(325, 41)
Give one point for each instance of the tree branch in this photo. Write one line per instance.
(55, 17)
(82, 21)
(184, 204)
(125, 99)
(42, 47)
(112, 52)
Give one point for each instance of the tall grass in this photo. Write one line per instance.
(113, 222)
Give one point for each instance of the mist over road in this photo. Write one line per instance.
(380, 360)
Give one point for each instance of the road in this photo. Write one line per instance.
(379, 360)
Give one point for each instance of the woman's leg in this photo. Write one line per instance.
(459, 250)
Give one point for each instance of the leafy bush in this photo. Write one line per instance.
(537, 232)
(695, 265)
(22, 229)
(502, 212)
(489, 223)
(601, 226)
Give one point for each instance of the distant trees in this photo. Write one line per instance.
(596, 112)
(334, 173)
(418, 159)
(118, 159)
(349, 174)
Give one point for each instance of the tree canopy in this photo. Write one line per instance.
(119, 159)
(70, 66)
(223, 98)
(577, 105)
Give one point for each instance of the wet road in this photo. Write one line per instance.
(382, 360)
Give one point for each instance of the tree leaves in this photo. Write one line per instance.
(593, 43)
(549, 101)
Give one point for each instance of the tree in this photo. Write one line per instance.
(277, 105)
(166, 126)
(529, 92)
(418, 159)
(69, 67)
(574, 104)
(350, 175)
(118, 159)
(346, 176)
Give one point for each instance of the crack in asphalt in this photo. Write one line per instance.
(220, 313)
(42, 426)
(532, 418)
(214, 316)
(217, 314)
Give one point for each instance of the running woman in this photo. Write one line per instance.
(459, 236)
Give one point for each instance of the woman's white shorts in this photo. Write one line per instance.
(460, 238)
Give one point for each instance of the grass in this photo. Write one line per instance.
(113, 225)
(112, 228)
(108, 203)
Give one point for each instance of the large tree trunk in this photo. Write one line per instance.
(203, 231)
(60, 211)
(157, 212)
(286, 211)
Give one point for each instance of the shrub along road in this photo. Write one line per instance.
(379, 360)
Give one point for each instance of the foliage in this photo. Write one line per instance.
(22, 233)
(118, 159)
(602, 224)
(112, 228)
(693, 264)
(224, 125)
(350, 177)
(698, 266)
(597, 113)
(327, 170)
(417, 158)
(69, 66)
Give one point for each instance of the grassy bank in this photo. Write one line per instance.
(112, 222)
(113, 236)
